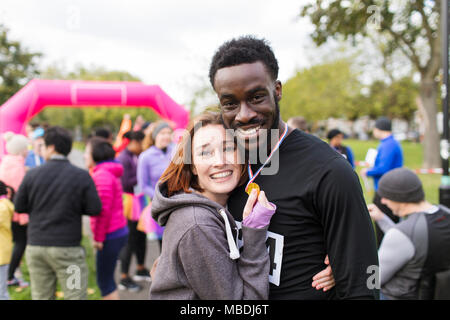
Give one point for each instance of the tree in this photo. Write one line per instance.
(395, 100)
(17, 65)
(411, 27)
(325, 90)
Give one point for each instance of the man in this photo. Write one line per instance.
(56, 195)
(320, 206)
(415, 252)
(137, 240)
(34, 157)
(335, 137)
(389, 156)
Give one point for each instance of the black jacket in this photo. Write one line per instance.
(56, 195)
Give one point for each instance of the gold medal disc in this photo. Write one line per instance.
(252, 186)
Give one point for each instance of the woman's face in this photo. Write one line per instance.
(135, 147)
(163, 138)
(215, 162)
(88, 161)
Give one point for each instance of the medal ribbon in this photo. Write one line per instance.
(250, 172)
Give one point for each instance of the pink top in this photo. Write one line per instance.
(12, 172)
(106, 177)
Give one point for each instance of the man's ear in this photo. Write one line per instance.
(278, 90)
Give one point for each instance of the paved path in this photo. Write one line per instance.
(76, 158)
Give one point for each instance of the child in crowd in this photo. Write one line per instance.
(12, 172)
(6, 214)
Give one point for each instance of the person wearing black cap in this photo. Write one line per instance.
(416, 251)
(335, 137)
(389, 156)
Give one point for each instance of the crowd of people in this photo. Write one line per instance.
(228, 227)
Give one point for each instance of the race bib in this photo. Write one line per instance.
(275, 245)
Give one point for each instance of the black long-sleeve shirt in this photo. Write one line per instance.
(56, 195)
(320, 211)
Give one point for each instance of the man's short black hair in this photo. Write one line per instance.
(60, 138)
(246, 49)
(103, 132)
(102, 150)
(134, 135)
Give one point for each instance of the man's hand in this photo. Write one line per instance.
(375, 213)
(324, 279)
(363, 172)
(98, 245)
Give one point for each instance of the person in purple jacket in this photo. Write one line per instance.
(156, 157)
(137, 239)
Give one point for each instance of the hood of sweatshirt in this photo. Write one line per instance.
(114, 167)
(163, 206)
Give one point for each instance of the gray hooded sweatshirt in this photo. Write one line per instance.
(199, 257)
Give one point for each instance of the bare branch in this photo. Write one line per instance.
(411, 54)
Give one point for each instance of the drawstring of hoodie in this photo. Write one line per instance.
(234, 252)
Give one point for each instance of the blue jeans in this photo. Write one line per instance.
(106, 264)
(383, 297)
(3, 282)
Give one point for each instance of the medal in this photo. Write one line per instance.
(251, 184)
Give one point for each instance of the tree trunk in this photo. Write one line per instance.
(428, 108)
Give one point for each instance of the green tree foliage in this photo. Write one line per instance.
(411, 27)
(395, 100)
(90, 118)
(322, 91)
(332, 89)
(17, 65)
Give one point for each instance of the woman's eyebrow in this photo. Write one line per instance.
(202, 146)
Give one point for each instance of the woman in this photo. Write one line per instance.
(129, 158)
(109, 229)
(151, 164)
(199, 258)
(156, 157)
(12, 172)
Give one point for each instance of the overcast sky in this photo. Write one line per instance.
(163, 42)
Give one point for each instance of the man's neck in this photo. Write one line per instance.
(411, 208)
(57, 156)
(385, 135)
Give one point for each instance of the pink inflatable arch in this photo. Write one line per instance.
(38, 94)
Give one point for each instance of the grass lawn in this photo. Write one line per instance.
(413, 158)
(16, 293)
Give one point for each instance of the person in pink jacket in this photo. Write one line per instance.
(109, 229)
(12, 172)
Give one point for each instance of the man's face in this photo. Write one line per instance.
(249, 101)
(376, 133)
(38, 146)
(48, 151)
(337, 140)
